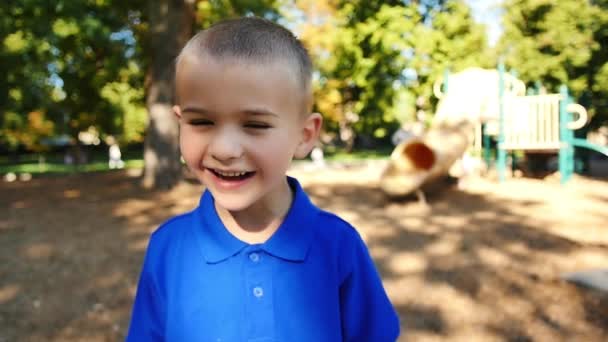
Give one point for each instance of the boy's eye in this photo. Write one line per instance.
(257, 125)
(200, 122)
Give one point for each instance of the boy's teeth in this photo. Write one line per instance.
(230, 174)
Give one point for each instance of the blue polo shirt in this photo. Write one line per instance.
(313, 280)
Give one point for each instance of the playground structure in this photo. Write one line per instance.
(419, 161)
(475, 106)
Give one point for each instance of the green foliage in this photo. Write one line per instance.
(129, 114)
(454, 41)
(376, 58)
(58, 57)
(61, 168)
(210, 12)
(28, 130)
(560, 43)
(83, 63)
(404, 109)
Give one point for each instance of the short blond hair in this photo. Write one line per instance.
(252, 39)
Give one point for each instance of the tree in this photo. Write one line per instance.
(170, 26)
(62, 59)
(375, 58)
(453, 41)
(96, 65)
(355, 87)
(560, 43)
(104, 62)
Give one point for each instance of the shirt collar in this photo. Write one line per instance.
(291, 241)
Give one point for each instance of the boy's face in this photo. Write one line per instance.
(240, 126)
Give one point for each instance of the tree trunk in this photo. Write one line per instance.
(171, 23)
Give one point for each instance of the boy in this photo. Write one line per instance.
(256, 261)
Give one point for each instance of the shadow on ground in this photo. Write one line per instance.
(468, 267)
(473, 266)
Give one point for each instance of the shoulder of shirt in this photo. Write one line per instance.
(172, 226)
(333, 224)
(343, 238)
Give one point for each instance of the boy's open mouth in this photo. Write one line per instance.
(232, 176)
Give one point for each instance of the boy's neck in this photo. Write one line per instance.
(257, 223)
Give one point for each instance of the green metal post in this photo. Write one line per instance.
(513, 156)
(569, 140)
(537, 87)
(530, 91)
(514, 74)
(487, 150)
(501, 163)
(566, 137)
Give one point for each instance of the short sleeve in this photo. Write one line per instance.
(367, 313)
(147, 319)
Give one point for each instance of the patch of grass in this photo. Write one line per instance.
(341, 155)
(60, 168)
(53, 163)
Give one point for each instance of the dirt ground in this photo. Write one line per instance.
(479, 263)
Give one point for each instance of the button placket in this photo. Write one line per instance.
(254, 257)
(259, 305)
(258, 291)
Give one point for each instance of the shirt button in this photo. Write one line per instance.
(255, 257)
(258, 292)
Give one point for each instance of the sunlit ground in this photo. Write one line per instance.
(478, 264)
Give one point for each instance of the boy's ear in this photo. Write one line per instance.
(177, 111)
(310, 133)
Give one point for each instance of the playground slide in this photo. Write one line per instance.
(472, 98)
(419, 161)
(527, 123)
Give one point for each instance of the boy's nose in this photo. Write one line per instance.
(225, 146)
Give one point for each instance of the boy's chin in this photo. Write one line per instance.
(232, 203)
